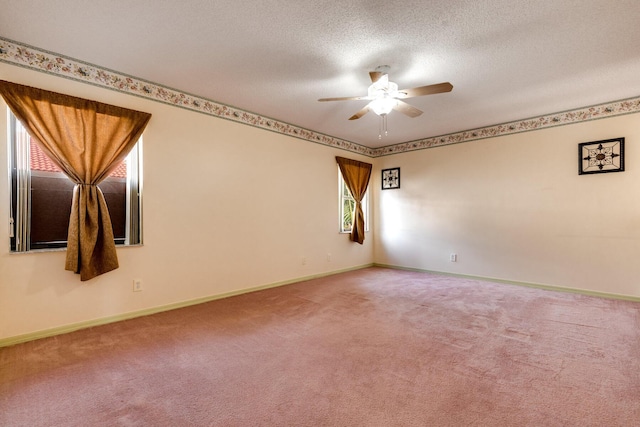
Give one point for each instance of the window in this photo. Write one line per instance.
(348, 205)
(41, 196)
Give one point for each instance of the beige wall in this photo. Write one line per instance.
(515, 208)
(226, 207)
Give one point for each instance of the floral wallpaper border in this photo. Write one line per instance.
(40, 60)
(22, 55)
(610, 109)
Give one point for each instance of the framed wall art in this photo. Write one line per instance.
(601, 156)
(390, 178)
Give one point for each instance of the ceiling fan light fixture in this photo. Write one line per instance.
(382, 86)
(383, 93)
(383, 106)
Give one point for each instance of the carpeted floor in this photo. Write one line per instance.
(375, 347)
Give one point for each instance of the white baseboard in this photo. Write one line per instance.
(5, 342)
(517, 283)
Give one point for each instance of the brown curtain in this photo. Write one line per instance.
(356, 176)
(87, 140)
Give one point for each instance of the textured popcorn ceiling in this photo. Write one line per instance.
(507, 59)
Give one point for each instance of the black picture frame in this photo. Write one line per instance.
(602, 156)
(390, 178)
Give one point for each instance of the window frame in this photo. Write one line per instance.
(342, 197)
(20, 209)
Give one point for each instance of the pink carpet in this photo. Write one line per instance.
(375, 347)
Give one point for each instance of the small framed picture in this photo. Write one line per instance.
(601, 156)
(390, 178)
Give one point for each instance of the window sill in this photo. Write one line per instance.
(45, 250)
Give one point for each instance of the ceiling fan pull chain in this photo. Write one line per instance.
(383, 126)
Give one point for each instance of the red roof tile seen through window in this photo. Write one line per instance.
(41, 162)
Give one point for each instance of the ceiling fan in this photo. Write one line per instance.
(385, 96)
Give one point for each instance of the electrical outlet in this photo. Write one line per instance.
(453, 257)
(304, 260)
(137, 285)
(328, 257)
